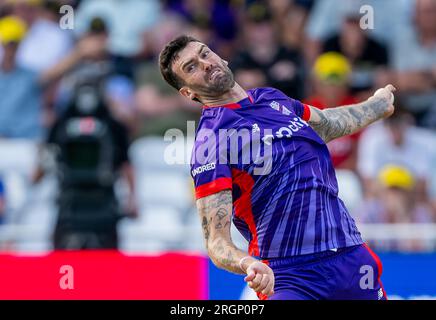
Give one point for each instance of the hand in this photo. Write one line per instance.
(387, 95)
(260, 278)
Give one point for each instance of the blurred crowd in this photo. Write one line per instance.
(326, 53)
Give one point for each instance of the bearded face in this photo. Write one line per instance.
(203, 72)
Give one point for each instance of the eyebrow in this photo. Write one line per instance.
(192, 59)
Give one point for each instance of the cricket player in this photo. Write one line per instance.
(303, 243)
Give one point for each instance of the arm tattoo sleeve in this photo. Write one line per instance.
(215, 214)
(337, 122)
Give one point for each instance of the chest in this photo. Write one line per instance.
(275, 121)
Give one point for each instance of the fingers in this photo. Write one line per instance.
(391, 88)
(256, 281)
(269, 289)
(262, 283)
(250, 276)
(260, 278)
(387, 93)
(266, 285)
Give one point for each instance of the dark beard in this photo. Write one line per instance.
(222, 83)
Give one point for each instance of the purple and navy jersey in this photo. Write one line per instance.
(285, 193)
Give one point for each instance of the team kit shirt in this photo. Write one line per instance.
(284, 188)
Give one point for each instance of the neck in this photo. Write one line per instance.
(235, 94)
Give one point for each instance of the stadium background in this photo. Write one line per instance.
(387, 174)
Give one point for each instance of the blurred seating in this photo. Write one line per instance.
(350, 188)
(165, 199)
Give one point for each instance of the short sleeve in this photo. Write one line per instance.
(301, 109)
(272, 94)
(210, 171)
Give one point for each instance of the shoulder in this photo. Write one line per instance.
(211, 118)
(210, 123)
(266, 93)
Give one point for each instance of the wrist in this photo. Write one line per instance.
(245, 262)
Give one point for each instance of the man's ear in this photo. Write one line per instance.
(186, 92)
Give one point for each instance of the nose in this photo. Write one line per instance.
(207, 66)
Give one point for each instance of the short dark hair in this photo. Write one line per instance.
(166, 59)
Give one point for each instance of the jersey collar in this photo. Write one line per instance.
(235, 105)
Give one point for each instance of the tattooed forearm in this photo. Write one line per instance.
(225, 255)
(337, 122)
(206, 228)
(215, 213)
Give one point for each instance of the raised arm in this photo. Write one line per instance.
(337, 122)
(215, 213)
(88, 47)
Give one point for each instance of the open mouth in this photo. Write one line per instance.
(214, 73)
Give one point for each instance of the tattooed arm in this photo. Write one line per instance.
(337, 122)
(215, 213)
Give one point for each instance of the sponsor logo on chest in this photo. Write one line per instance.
(295, 124)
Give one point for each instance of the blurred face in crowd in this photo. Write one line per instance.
(398, 129)
(279, 7)
(10, 48)
(352, 37)
(425, 16)
(9, 53)
(398, 203)
(331, 92)
(203, 72)
(251, 78)
(259, 33)
(26, 11)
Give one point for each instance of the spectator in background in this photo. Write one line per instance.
(264, 61)
(21, 89)
(91, 151)
(396, 201)
(118, 88)
(127, 22)
(20, 93)
(414, 60)
(217, 17)
(44, 35)
(45, 44)
(367, 56)
(327, 17)
(331, 77)
(159, 107)
(290, 18)
(397, 141)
